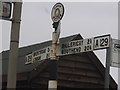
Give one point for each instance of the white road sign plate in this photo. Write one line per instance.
(41, 54)
(115, 53)
(77, 46)
(85, 45)
(38, 55)
(72, 47)
(101, 42)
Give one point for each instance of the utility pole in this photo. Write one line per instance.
(14, 44)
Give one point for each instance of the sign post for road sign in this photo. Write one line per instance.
(56, 15)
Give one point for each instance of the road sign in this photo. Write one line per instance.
(85, 45)
(77, 46)
(115, 53)
(71, 47)
(101, 42)
(5, 9)
(38, 55)
(57, 12)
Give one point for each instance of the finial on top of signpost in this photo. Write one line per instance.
(57, 12)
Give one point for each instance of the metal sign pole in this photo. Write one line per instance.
(56, 15)
(107, 69)
(54, 60)
(14, 43)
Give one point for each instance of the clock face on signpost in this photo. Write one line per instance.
(57, 12)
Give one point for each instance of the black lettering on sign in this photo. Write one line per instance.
(106, 42)
(89, 41)
(48, 49)
(29, 58)
(88, 48)
(79, 49)
(71, 50)
(47, 55)
(65, 51)
(103, 42)
(96, 43)
(72, 44)
(37, 58)
(38, 52)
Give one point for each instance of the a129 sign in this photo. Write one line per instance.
(101, 42)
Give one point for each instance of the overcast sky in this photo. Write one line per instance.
(89, 19)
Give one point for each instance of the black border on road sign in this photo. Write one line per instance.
(99, 37)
